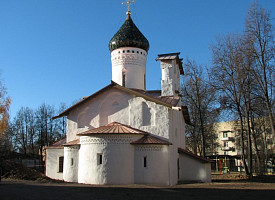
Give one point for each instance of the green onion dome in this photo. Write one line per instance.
(129, 36)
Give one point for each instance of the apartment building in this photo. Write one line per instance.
(228, 151)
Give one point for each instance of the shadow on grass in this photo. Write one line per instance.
(10, 191)
(256, 179)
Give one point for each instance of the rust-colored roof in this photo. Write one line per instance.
(150, 96)
(113, 128)
(172, 56)
(180, 150)
(72, 143)
(58, 144)
(150, 139)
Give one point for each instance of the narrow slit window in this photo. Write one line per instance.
(60, 166)
(145, 161)
(72, 161)
(123, 79)
(99, 159)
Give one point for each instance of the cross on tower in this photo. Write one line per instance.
(128, 4)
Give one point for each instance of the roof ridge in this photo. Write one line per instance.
(152, 139)
(113, 128)
(161, 100)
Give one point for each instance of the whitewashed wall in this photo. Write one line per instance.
(119, 106)
(192, 169)
(177, 138)
(52, 163)
(160, 124)
(157, 170)
(118, 159)
(108, 107)
(70, 173)
(170, 77)
(132, 62)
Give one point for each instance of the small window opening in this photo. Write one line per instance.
(133, 51)
(123, 51)
(145, 161)
(72, 161)
(99, 158)
(140, 52)
(118, 51)
(225, 134)
(225, 144)
(128, 51)
(123, 79)
(60, 166)
(137, 51)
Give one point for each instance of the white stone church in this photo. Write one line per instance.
(125, 134)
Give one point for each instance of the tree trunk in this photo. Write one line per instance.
(242, 142)
(250, 160)
(259, 161)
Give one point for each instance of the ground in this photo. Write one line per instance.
(19, 182)
(24, 189)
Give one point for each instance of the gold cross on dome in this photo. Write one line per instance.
(128, 4)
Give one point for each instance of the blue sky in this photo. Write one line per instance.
(54, 51)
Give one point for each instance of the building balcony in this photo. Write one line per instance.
(228, 148)
(227, 139)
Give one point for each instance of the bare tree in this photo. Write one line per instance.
(200, 98)
(32, 130)
(259, 33)
(228, 78)
(23, 128)
(62, 122)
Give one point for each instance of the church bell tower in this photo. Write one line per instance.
(129, 49)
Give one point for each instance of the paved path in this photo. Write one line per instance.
(29, 190)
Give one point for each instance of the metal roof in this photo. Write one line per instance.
(128, 36)
(151, 139)
(118, 128)
(58, 144)
(172, 56)
(183, 151)
(113, 128)
(186, 115)
(72, 143)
